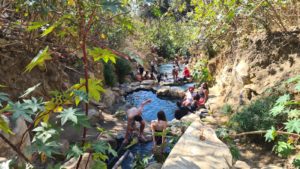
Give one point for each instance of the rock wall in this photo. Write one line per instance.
(256, 63)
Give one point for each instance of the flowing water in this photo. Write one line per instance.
(157, 104)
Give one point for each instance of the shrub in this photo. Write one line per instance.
(227, 109)
(109, 74)
(255, 116)
(123, 68)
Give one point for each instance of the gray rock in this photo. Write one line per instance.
(148, 82)
(241, 165)
(154, 166)
(134, 84)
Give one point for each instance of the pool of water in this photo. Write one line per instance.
(157, 104)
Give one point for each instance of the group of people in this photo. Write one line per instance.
(134, 114)
(191, 102)
(186, 74)
(146, 74)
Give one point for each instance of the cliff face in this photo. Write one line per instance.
(256, 63)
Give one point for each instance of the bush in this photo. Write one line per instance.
(109, 74)
(123, 68)
(255, 116)
(227, 109)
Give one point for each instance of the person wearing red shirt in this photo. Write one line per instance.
(186, 73)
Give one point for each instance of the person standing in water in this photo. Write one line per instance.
(159, 125)
(135, 114)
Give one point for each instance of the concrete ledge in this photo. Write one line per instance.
(192, 153)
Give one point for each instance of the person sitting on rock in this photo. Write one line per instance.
(135, 114)
(188, 99)
(147, 76)
(200, 98)
(159, 126)
(141, 69)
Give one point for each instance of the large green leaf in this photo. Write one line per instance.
(294, 113)
(95, 88)
(283, 99)
(270, 134)
(75, 151)
(44, 132)
(284, 149)
(39, 60)
(293, 125)
(104, 54)
(19, 110)
(276, 110)
(34, 104)
(68, 115)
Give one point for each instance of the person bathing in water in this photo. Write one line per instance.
(135, 114)
(159, 125)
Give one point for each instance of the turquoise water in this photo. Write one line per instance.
(151, 109)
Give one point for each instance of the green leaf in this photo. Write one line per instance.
(75, 151)
(293, 79)
(80, 96)
(1, 86)
(104, 54)
(39, 60)
(71, 2)
(100, 146)
(35, 25)
(279, 109)
(44, 133)
(283, 99)
(270, 134)
(47, 148)
(29, 90)
(297, 87)
(293, 125)
(19, 110)
(3, 98)
(95, 88)
(4, 126)
(49, 30)
(294, 113)
(68, 115)
(133, 142)
(33, 104)
(283, 149)
(99, 164)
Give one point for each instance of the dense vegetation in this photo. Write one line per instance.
(90, 31)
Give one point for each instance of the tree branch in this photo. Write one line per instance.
(263, 132)
(14, 148)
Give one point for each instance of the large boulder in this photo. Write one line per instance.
(241, 72)
(148, 82)
(199, 147)
(173, 92)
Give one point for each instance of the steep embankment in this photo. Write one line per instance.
(257, 62)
